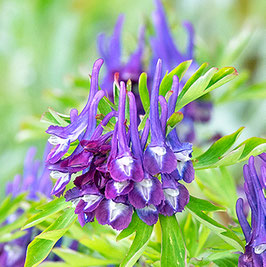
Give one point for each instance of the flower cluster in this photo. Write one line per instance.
(35, 181)
(123, 169)
(255, 235)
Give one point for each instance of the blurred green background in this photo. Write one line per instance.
(44, 43)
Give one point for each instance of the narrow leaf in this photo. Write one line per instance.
(173, 247)
(143, 234)
(40, 248)
(143, 91)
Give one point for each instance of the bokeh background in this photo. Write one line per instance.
(46, 44)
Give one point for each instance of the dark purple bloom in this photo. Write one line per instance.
(124, 166)
(116, 214)
(158, 157)
(149, 214)
(255, 234)
(147, 192)
(61, 137)
(176, 196)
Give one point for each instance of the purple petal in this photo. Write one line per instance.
(125, 168)
(73, 130)
(149, 214)
(175, 200)
(242, 219)
(114, 189)
(62, 180)
(118, 215)
(58, 151)
(147, 192)
(159, 159)
(88, 203)
(85, 217)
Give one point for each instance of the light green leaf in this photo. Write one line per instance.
(55, 118)
(217, 150)
(218, 185)
(226, 234)
(142, 237)
(252, 146)
(54, 264)
(46, 211)
(212, 79)
(78, 259)
(39, 248)
(173, 247)
(167, 80)
(172, 122)
(104, 244)
(143, 91)
(10, 205)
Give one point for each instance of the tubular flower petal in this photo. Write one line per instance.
(255, 234)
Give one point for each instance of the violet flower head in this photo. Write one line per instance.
(117, 174)
(255, 234)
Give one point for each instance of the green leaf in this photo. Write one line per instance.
(173, 247)
(226, 234)
(214, 153)
(200, 71)
(103, 244)
(142, 237)
(40, 247)
(74, 258)
(10, 205)
(143, 91)
(172, 122)
(252, 147)
(203, 205)
(195, 88)
(167, 80)
(55, 118)
(218, 185)
(54, 264)
(143, 120)
(46, 211)
(104, 106)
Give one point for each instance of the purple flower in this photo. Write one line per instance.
(124, 166)
(61, 137)
(182, 151)
(158, 157)
(255, 234)
(116, 213)
(176, 196)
